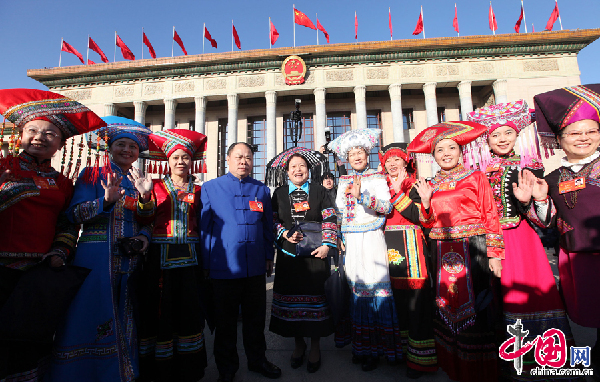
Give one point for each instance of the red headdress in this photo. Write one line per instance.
(469, 135)
(164, 143)
(397, 150)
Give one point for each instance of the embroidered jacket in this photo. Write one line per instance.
(236, 239)
(122, 219)
(173, 221)
(368, 212)
(320, 209)
(32, 204)
(576, 213)
(502, 172)
(463, 205)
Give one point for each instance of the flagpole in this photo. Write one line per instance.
(232, 35)
(173, 41)
(87, 56)
(317, 17)
(115, 56)
(524, 21)
(60, 54)
(270, 45)
(204, 35)
(456, 13)
(294, 20)
(559, 19)
(423, 18)
(142, 43)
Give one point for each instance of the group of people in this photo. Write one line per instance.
(436, 269)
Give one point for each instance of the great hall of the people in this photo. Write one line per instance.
(400, 86)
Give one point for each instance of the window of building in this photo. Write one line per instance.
(337, 124)
(374, 122)
(407, 119)
(257, 137)
(192, 125)
(222, 146)
(441, 114)
(308, 137)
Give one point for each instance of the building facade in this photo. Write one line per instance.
(400, 86)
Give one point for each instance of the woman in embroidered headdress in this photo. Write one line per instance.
(408, 261)
(467, 249)
(33, 197)
(570, 117)
(171, 316)
(528, 288)
(363, 200)
(299, 307)
(98, 340)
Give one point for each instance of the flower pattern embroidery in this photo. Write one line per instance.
(395, 257)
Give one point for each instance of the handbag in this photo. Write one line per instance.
(39, 302)
(337, 293)
(312, 238)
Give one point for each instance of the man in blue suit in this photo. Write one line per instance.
(237, 237)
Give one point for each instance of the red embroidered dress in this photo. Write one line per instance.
(25, 239)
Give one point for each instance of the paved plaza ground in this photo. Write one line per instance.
(336, 365)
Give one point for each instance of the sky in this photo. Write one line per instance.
(31, 30)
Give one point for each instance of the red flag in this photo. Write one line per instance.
(419, 27)
(301, 19)
(213, 42)
(93, 46)
(518, 24)
(320, 27)
(236, 38)
(390, 23)
(178, 41)
(273, 34)
(553, 17)
(455, 21)
(355, 26)
(125, 51)
(90, 62)
(69, 49)
(492, 19)
(532, 28)
(150, 48)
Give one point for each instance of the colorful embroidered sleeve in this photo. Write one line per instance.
(66, 236)
(426, 216)
(380, 201)
(87, 202)
(489, 214)
(400, 201)
(541, 213)
(329, 227)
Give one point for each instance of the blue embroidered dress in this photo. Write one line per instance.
(375, 329)
(98, 340)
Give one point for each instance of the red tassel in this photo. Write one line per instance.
(204, 170)
(166, 170)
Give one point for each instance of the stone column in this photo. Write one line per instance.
(360, 93)
(320, 117)
(466, 102)
(397, 118)
(110, 109)
(500, 91)
(271, 97)
(140, 111)
(200, 114)
(430, 103)
(432, 115)
(232, 118)
(170, 106)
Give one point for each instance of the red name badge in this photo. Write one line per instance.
(186, 197)
(447, 186)
(130, 203)
(44, 183)
(493, 168)
(571, 185)
(256, 206)
(301, 206)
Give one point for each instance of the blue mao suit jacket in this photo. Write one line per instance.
(236, 241)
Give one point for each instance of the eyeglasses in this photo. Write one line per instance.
(579, 134)
(49, 135)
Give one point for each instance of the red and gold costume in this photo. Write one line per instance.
(465, 232)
